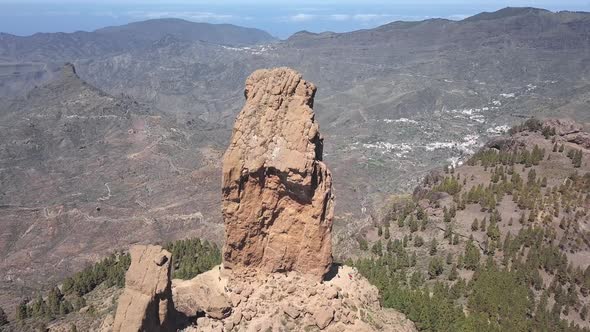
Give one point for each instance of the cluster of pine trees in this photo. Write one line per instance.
(533, 125)
(190, 257)
(491, 279)
(499, 297)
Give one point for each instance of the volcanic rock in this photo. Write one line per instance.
(204, 293)
(271, 307)
(277, 192)
(323, 316)
(146, 302)
(562, 126)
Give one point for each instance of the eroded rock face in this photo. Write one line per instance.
(146, 303)
(277, 192)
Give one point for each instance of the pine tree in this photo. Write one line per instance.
(22, 312)
(453, 211)
(400, 222)
(493, 232)
(363, 244)
(584, 313)
(432, 251)
(448, 234)
(377, 248)
(3, 317)
(413, 224)
(387, 235)
(475, 225)
(472, 256)
(424, 223)
(418, 241)
(420, 213)
(446, 215)
(453, 274)
(435, 267)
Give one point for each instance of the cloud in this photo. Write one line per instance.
(189, 15)
(368, 17)
(62, 13)
(339, 17)
(301, 17)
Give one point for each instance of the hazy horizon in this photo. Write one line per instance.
(29, 17)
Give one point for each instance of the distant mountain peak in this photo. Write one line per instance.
(505, 13)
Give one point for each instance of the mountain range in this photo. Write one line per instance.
(96, 158)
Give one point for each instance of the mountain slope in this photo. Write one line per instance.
(393, 103)
(154, 30)
(515, 215)
(83, 173)
(42, 46)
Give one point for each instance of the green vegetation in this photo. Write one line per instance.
(110, 271)
(449, 185)
(498, 298)
(576, 157)
(508, 227)
(3, 317)
(190, 257)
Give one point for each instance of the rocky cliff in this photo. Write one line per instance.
(277, 192)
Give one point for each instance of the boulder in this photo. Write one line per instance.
(323, 316)
(291, 310)
(146, 302)
(204, 293)
(218, 307)
(581, 139)
(562, 127)
(277, 192)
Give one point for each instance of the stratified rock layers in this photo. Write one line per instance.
(277, 193)
(146, 302)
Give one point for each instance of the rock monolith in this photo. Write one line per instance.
(146, 303)
(277, 192)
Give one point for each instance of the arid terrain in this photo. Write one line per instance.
(126, 148)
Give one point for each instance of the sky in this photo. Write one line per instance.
(280, 18)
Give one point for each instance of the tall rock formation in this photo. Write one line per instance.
(146, 304)
(277, 192)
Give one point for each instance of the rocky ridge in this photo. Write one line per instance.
(83, 173)
(293, 302)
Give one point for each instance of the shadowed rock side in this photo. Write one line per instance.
(146, 303)
(277, 193)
